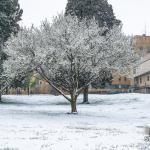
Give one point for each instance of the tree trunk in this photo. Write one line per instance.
(28, 90)
(73, 104)
(0, 97)
(7, 90)
(85, 95)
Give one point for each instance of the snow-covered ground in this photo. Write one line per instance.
(41, 122)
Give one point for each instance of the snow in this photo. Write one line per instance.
(41, 122)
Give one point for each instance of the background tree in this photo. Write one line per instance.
(106, 77)
(101, 10)
(10, 15)
(25, 82)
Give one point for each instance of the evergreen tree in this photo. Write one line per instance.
(26, 81)
(10, 15)
(101, 10)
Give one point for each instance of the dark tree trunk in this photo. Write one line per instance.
(0, 98)
(85, 95)
(28, 90)
(7, 90)
(73, 104)
(73, 107)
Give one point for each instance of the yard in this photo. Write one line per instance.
(42, 122)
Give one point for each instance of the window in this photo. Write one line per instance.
(125, 86)
(148, 50)
(134, 70)
(115, 86)
(140, 80)
(147, 78)
(141, 48)
(125, 79)
(40, 82)
(136, 81)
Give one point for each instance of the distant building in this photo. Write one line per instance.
(142, 75)
(141, 44)
(120, 84)
(142, 72)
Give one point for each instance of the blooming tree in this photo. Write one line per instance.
(68, 51)
(20, 58)
(77, 48)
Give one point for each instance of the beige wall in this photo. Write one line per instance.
(121, 80)
(143, 80)
(141, 44)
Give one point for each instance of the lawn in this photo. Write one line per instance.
(42, 122)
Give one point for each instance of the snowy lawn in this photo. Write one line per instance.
(41, 122)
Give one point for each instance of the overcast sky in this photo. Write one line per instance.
(135, 14)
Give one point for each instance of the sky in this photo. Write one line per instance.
(134, 14)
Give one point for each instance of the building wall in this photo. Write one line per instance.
(142, 72)
(120, 84)
(143, 80)
(143, 66)
(141, 44)
(121, 80)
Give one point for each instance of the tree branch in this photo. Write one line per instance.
(50, 83)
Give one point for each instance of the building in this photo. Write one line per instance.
(142, 71)
(119, 84)
(141, 44)
(142, 75)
